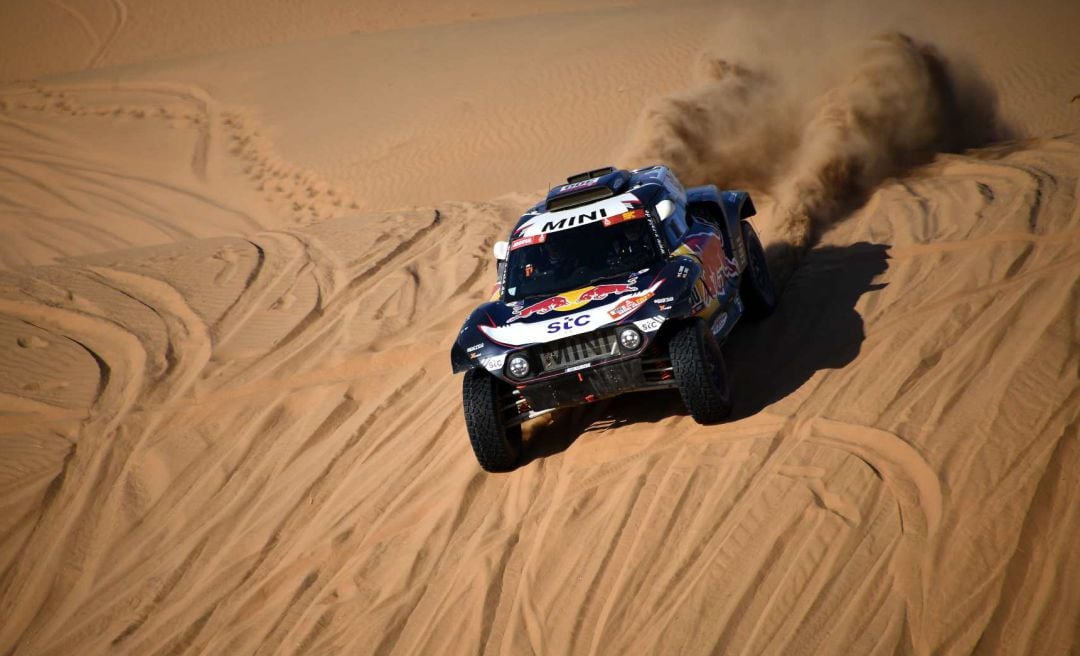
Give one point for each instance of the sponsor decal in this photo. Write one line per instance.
(579, 367)
(730, 269)
(625, 307)
(542, 307)
(683, 271)
(573, 300)
(578, 351)
(579, 185)
(717, 266)
(527, 241)
(565, 219)
(625, 216)
(575, 220)
(475, 347)
(719, 322)
(600, 292)
(585, 321)
(569, 323)
(666, 299)
(494, 363)
(649, 325)
(628, 305)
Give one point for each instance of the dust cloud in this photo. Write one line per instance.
(816, 135)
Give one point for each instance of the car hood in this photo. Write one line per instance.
(544, 319)
(645, 298)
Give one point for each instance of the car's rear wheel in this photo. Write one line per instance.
(757, 288)
(698, 366)
(488, 405)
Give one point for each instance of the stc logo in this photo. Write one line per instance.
(568, 323)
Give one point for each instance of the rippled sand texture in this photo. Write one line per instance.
(228, 425)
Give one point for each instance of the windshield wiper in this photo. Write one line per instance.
(593, 281)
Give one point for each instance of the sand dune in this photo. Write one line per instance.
(228, 425)
(265, 450)
(70, 35)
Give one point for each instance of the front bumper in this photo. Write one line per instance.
(598, 381)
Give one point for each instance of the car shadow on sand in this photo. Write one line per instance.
(815, 326)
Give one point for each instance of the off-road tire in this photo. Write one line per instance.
(497, 447)
(698, 366)
(757, 288)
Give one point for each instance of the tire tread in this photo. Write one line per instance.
(497, 448)
(687, 349)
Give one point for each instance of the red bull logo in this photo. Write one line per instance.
(573, 300)
(543, 307)
(600, 292)
(718, 267)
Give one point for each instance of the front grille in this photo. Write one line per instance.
(578, 350)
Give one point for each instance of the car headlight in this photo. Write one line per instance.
(518, 366)
(630, 338)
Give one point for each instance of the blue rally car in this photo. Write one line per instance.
(618, 281)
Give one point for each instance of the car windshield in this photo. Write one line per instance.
(569, 259)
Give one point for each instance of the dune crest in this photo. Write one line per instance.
(97, 166)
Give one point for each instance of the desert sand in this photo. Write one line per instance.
(239, 239)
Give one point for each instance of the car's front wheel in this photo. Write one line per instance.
(698, 366)
(488, 404)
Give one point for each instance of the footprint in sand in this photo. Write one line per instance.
(343, 592)
(31, 342)
(231, 259)
(285, 302)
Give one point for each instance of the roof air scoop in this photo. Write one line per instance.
(588, 187)
(589, 175)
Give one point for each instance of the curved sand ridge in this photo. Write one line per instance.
(249, 444)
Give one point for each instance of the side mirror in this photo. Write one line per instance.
(501, 249)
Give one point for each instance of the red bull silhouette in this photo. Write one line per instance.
(600, 292)
(543, 307)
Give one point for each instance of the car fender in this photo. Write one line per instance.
(735, 206)
(680, 296)
(471, 350)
